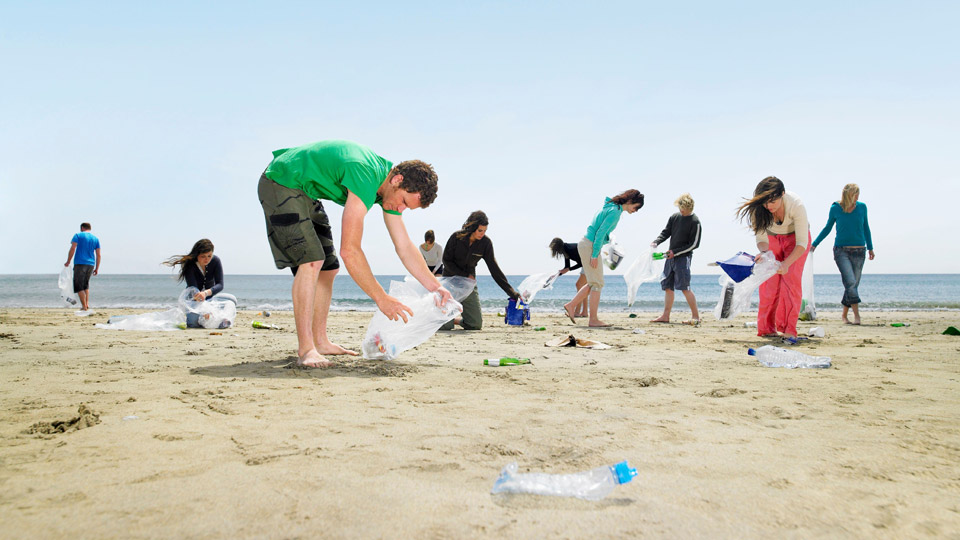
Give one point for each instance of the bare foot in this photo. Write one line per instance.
(313, 360)
(773, 335)
(569, 314)
(846, 321)
(334, 349)
(856, 320)
(599, 324)
(661, 319)
(579, 314)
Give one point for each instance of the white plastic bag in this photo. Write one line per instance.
(172, 319)
(386, 339)
(612, 254)
(535, 283)
(641, 271)
(735, 297)
(808, 309)
(215, 312)
(65, 283)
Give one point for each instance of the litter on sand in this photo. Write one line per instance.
(572, 341)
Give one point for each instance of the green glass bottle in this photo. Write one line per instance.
(505, 361)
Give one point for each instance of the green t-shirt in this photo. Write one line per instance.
(328, 169)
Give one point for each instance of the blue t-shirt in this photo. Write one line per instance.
(853, 229)
(87, 244)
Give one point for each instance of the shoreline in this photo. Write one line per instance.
(208, 433)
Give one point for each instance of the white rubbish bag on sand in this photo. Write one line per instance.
(65, 283)
(641, 271)
(735, 297)
(214, 312)
(535, 283)
(808, 309)
(612, 254)
(386, 339)
(161, 321)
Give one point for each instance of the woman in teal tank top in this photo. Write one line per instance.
(851, 246)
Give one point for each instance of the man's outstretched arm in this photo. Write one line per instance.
(353, 258)
(73, 249)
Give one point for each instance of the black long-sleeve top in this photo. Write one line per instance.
(683, 232)
(571, 253)
(460, 258)
(213, 279)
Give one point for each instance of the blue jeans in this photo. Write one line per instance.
(850, 262)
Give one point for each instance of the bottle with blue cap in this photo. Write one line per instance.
(771, 356)
(591, 485)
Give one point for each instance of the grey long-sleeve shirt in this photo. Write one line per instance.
(683, 232)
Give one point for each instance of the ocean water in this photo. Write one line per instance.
(924, 292)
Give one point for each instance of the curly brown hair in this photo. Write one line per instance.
(418, 177)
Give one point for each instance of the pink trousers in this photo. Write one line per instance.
(780, 296)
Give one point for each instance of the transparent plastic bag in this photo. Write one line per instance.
(735, 297)
(535, 283)
(214, 312)
(642, 270)
(172, 319)
(612, 254)
(808, 308)
(65, 283)
(386, 339)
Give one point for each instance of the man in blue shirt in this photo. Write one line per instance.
(86, 247)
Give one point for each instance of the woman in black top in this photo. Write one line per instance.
(569, 252)
(201, 269)
(463, 251)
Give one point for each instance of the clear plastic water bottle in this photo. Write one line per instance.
(591, 485)
(771, 356)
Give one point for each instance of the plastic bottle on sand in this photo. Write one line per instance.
(771, 356)
(591, 485)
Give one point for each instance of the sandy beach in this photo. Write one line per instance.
(203, 434)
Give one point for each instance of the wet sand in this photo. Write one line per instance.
(190, 434)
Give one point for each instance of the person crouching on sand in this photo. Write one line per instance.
(464, 249)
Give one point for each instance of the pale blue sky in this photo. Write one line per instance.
(154, 122)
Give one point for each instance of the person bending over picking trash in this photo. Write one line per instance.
(301, 238)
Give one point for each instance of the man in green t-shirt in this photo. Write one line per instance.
(301, 239)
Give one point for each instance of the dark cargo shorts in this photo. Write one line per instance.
(297, 227)
(81, 277)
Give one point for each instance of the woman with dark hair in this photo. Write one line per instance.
(779, 221)
(201, 269)
(463, 251)
(851, 245)
(569, 252)
(432, 253)
(598, 234)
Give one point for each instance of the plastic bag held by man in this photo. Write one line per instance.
(735, 296)
(386, 339)
(641, 271)
(65, 283)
